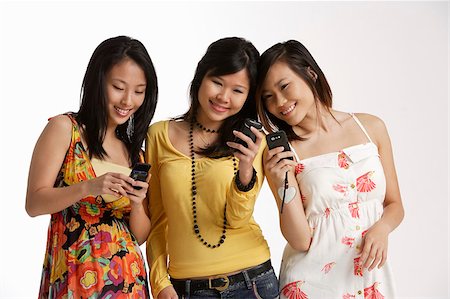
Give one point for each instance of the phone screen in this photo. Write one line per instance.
(140, 173)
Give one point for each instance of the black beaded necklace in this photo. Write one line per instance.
(194, 191)
(205, 129)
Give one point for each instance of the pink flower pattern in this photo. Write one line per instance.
(345, 184)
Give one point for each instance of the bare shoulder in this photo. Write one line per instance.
(60, 122)
(59, 127)
(375, 127)
(371, 122)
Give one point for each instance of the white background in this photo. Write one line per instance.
(389, 59)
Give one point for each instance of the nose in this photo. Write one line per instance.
(223, 96)
(280, 100)
(127, 98)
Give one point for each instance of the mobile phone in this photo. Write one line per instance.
(245, 128)
(140, 173)
(277, 139)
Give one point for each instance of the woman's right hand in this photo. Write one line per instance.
(168, 293)
(111, 183)
(275, 166)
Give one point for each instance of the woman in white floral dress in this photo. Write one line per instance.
(342, 197)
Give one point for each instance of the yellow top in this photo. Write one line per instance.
(171, 216)
(101, 167)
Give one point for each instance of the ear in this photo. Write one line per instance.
(312, 73)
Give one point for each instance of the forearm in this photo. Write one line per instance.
(49, 200)
(295, 227)
(293, 223)
(393, 214)
(139, 223)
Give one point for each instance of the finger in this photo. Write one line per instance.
(242, 149)
(371, 256)
(376, 260)
(383, 259)
(365, 251)
(143, 185)
(242, 136)
(285, 155)
(126, 178)
(259, 135)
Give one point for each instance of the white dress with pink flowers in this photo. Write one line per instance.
(343, 194)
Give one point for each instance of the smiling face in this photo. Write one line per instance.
(125, 91)
(221, 97)
(286, 95)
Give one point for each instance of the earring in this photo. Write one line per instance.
(130, 127)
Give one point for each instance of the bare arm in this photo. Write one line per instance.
(46, 162)
(375, 242)
(293, 222)
(49, 153)
(139, 217)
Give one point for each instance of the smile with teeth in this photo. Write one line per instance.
(288, 109)
(121, 111)
(218, 107)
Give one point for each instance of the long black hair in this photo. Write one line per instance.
(93, 114)
(224, 57)
(300, 61)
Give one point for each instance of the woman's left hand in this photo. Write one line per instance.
(374, 246)
(137, 196)
(246, 155)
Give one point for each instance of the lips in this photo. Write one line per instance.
(288, 110)
(122, 112)
(218, 108)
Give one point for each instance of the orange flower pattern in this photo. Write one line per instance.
(91, 252)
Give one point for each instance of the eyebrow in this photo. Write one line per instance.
(236, 85)
(122, 81)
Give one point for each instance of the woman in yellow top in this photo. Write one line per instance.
(204, 186)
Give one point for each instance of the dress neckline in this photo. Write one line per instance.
(333, 152)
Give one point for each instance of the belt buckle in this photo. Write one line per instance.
(222, 288)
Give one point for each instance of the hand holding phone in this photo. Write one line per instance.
(277, 139)
(140, 173)
(245, 129)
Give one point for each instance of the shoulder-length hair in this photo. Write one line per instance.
(92, 115)
(223, 57)
(300, 61)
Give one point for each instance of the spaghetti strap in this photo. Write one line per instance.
(361, 126)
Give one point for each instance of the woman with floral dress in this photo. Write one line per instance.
(79, 174)
(340, 192)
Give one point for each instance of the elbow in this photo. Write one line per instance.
(236, 223)
(30, 209)
(300, 246)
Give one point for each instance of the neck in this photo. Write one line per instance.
(316, 120)
(208, 123)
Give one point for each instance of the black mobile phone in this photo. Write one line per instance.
(277, 139)
(245, 128)
(140, 173)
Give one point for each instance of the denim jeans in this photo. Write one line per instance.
(263, 286)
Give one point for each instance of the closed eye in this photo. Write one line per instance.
(217, 82)
(117, 87)
(266, 97)
(284, 86)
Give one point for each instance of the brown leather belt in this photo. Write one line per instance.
(220, 282)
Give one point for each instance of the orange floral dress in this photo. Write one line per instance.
(91, 252)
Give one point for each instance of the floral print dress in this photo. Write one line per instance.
(91, 252)
(343, 194)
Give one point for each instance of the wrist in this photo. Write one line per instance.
(245, 187)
